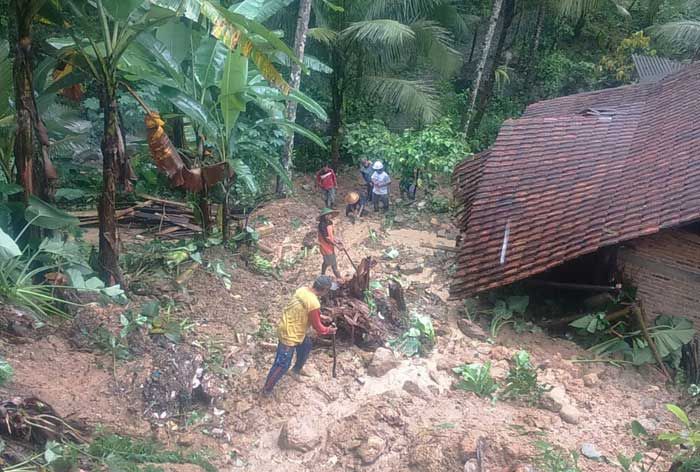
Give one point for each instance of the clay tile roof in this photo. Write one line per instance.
(578, 173)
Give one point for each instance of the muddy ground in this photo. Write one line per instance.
(409, 419)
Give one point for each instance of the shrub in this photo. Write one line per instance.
(521, 382)
(476, 378)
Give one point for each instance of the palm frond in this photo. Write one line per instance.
(578, 8)
(435, 43)
(684, 33)
(384, 33)
(417, 98)
(323, 35)
(402, 10)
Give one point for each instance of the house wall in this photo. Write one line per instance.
(665, 268)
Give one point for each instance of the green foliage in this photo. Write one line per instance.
(618, 66)
(432, 151)
(551, 458)
(592, 323)
(521, 382)
(504, 311)
(418, 339)
(6, 372)
(559, 74)
(476, 378)
(669, 333)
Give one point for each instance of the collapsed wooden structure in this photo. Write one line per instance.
(595, 188)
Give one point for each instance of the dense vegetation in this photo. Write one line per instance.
(419, 84)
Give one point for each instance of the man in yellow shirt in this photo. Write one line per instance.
(303, 309)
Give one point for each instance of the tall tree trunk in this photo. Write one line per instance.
(534, 46)
(474, 38)
(485, 52)
(24, 99)
(490, 75)
(336, 115)
(109, 235)
(295, 81)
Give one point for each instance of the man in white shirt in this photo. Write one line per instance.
(380, 186)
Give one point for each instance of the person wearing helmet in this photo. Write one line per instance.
(380, 186)
(302, 311)
(327, 241)
(355, 205)
(326, 180)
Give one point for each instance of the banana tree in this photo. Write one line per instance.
(36, 177)
(212, 85)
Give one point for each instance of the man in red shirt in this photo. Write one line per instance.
(325, 178)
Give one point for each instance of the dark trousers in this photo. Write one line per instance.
(369, 191)
(329, 260)
(384, 199)
(283, 359)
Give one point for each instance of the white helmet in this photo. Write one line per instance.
(378, 165)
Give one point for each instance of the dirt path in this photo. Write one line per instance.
(410, 419)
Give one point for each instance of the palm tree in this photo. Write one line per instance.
(485, 52)
(683, 33)
(371, 46)
(295, 81)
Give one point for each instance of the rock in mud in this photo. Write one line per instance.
(471, 466)
(471, 329)
(555, 399)
(590, 380)
(382, 362)
(370, 450)
(570, 414)
(411, 268)
(589, 450)
(298, 436)
(414, 389)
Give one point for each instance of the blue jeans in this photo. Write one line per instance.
(283, 359)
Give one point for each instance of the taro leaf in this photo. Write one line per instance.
(671, 333)
(424, 325)
(8, 247)
(638, 429)
(76, 278)
(150, 309)
(679, 413)
(114, 291)
(518, 304)
(47, 216)
(94, 283)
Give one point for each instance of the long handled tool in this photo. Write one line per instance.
(349, 258)
(335, 357)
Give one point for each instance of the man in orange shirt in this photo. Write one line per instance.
(327, 241)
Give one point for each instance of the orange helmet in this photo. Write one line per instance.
(352, 198)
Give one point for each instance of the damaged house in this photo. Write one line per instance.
(594, 188)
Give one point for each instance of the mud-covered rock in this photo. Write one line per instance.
(555, 399)
(298, 436)
(471, 329)
(590, 380)
(570, 414)
(382, 362)
(371, 449)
